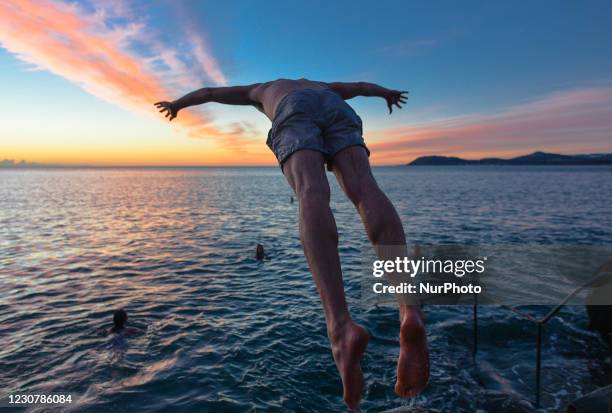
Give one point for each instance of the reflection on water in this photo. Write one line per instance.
(225, 332)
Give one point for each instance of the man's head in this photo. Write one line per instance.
(119, 318)
(259, 252)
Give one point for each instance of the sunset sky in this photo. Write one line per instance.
(485, 78)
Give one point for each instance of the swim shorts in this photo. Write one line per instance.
(319, 120)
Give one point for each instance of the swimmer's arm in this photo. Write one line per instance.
(131, 332)
(102, 331)
(349, 90)
(231, 95)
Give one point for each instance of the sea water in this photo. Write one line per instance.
(222, 331)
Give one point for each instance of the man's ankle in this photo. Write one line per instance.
(411, 315)
(338, 329)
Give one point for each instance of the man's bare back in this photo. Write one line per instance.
(270, 94)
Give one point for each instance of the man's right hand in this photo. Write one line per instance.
(169, 108)
(395, 97)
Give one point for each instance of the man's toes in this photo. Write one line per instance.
(352, 405)
(351, 402)
(399, 390)
(407, 391)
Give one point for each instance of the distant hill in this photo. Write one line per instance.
(10, 163)
(536, 158)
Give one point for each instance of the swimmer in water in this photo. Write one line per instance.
(259, 252)
(119, 327)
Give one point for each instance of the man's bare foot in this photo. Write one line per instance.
(348, 345)
(413, 361)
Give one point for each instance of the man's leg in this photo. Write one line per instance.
(384, 227)
(306, 175)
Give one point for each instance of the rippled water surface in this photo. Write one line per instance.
(222, 331)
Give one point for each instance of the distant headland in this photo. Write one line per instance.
(10, 163)
(536, 158)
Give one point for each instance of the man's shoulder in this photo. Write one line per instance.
(263, 91)
(271, 83)
(259, 88)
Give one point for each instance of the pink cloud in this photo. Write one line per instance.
(577, 120)
(78, 45)
(203, 56)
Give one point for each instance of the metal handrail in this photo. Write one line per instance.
(600, 274)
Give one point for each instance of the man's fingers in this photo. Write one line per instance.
(164, 105)
(166, 110)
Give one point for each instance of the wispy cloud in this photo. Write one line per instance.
(568, 121)
(206, 60)
(108, 50)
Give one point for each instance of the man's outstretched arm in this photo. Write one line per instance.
(349, 90)
(231, 95)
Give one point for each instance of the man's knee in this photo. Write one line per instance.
(354, 193)
(313, 192)
(357, 190)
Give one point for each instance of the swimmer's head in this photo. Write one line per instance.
(119, 318)
(259, 252)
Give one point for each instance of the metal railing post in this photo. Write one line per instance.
(538, 362)
(475, 323)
